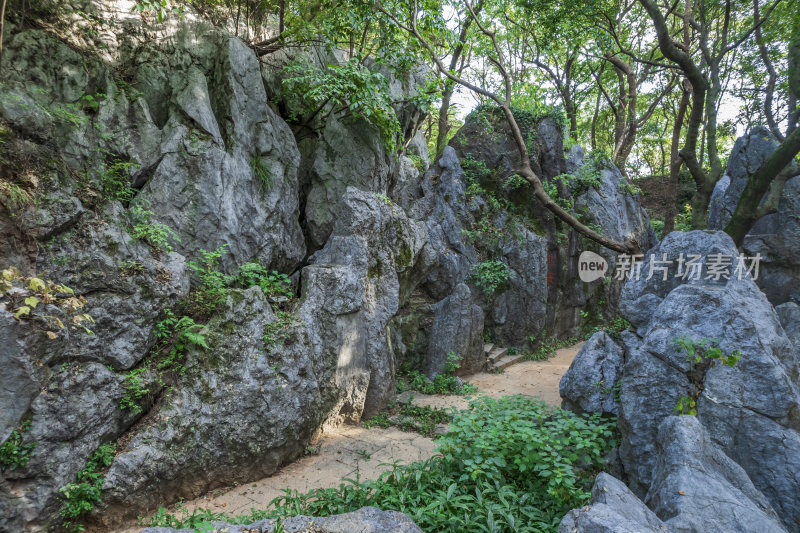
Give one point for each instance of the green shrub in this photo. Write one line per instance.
(507, 465)
(115, 181)
(684, 220)
(658, 226)
(13, 452)
(212, 288)
(444, 383)
(135, 390)
(701, 356)
(272, 283)
(156, 235)
(490, 275)
(80, 497)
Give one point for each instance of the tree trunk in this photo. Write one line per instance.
(747, 211)
(675, 163)
(444, 119)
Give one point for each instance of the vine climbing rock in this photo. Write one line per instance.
(775, 236)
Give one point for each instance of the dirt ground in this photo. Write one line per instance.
(353, 451)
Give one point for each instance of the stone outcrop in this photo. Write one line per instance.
(734, 466)
(177, 127)
(776, 236)
(590, 384)
(613, 508)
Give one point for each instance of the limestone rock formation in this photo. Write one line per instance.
(612, 509)
(590, 384)
(776, 236)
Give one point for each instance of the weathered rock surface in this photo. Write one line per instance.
(238, 410)
(590, 383)
(749, 410)
(789, 315)
(457, 329)
(351, 290)
(364, 520)
(612, 509)
(776, 236)
(696, 487)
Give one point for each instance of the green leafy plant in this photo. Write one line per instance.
(701, 355)
(380, 420)
(80, 497)
(212, 287)
(176, 335)
(14, 452)
(511, 464)
(342, 90)
(27, 299)
(490, 276)
(135, 390)
(273, 283)
(158, 236)
(443, 383)
(278, 330)
(115, 181)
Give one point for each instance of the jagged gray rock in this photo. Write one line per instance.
(457, 329)
(641, 296)
(589, 385)
(776, 236)
(697, 488)
(239, 410)
(789, 315)
(612, 509)
(749, 409)
(364, 520)
(351, 290)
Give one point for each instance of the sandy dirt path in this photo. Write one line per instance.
(352, 451)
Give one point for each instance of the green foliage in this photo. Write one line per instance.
(278, 330)
(27, 299)
(658, 226)
(349, 89)
(135, 390)
(161, 8)
(273, 284)
(422, 419)
(380, 420)
(507, 465)
(175, 335)
(81, 497)
(115, 181)
(701, 356)
(14, 453)
(158, 236)
(686, 406)
(684, 220)
(705, 351)
(514, 182)
(262, 172)
(444, 383)
(212, 287)
(490, 276)
(547, 346)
